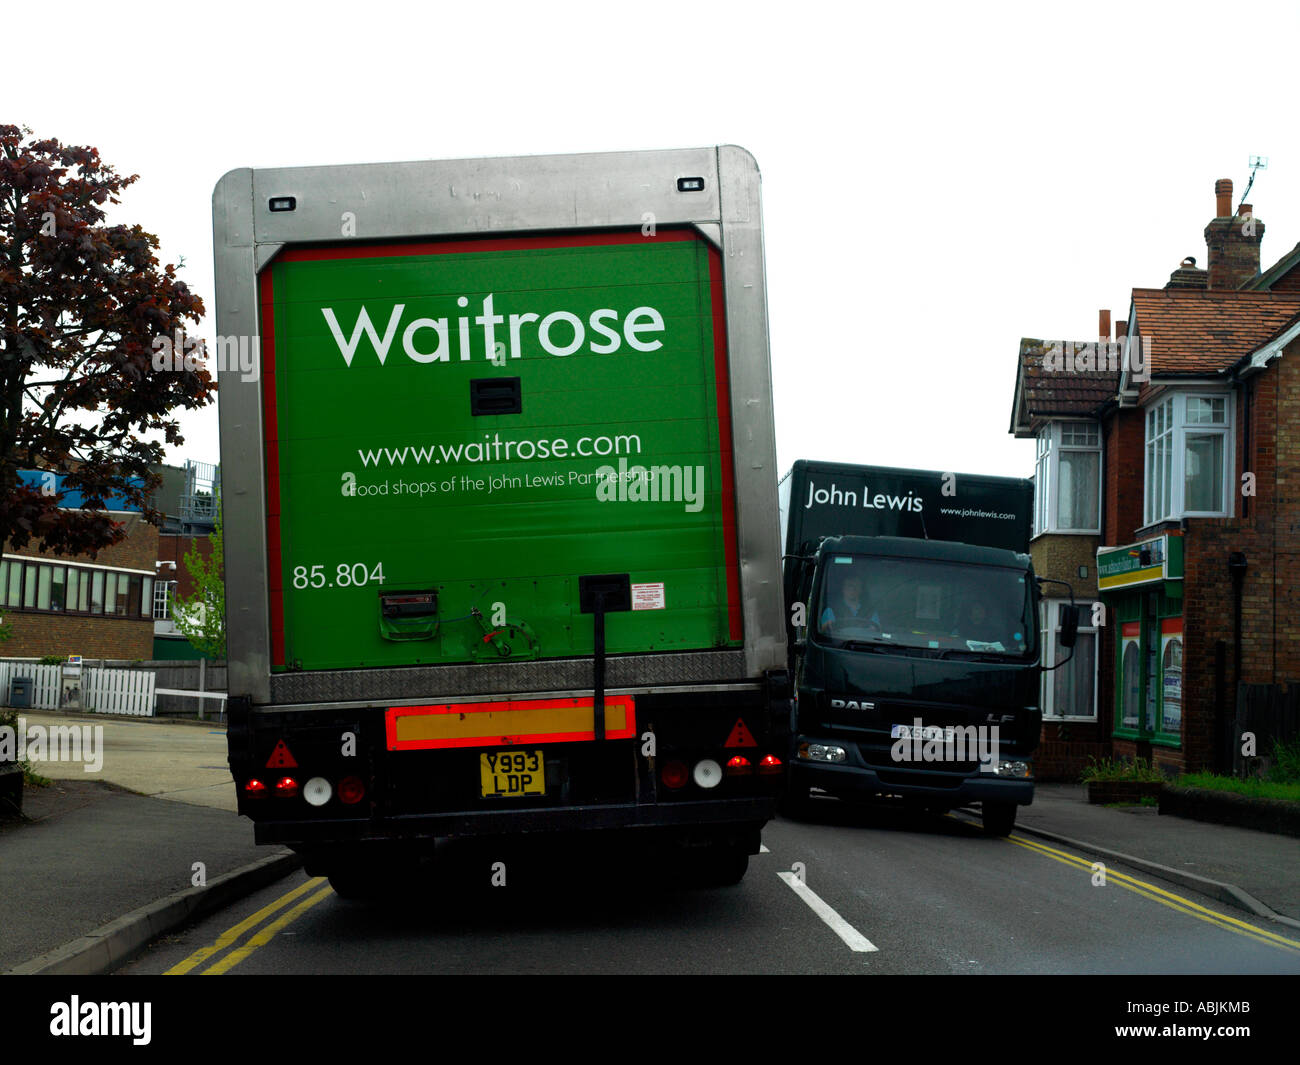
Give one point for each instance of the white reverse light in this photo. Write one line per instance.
(317, 791)
(707, 773)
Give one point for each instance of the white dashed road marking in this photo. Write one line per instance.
(855, 939)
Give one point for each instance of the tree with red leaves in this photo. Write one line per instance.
(83, 306)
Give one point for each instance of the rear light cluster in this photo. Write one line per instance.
(707, 773)
(768, 765)
(317, 791)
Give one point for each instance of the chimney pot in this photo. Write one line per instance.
(1233, 243)
(1121, 329)
(1223, 198)
(1103, 324)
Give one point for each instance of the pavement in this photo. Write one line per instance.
(139, 835)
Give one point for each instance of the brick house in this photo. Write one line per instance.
(1199, 561)
(1061, 390)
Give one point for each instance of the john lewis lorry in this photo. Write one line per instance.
(502, 545)
(913, 630)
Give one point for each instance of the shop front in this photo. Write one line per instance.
(1142, 587)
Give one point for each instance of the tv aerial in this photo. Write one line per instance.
(1257, 163)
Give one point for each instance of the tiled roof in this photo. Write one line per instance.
(1275, 273)
(1050, 384)
(1206, 331)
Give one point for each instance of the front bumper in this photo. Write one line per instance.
(930, 784)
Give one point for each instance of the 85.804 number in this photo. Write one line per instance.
(355, 574)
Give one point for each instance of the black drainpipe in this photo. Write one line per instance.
(1237, 570)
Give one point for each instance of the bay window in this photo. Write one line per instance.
(1188, 458)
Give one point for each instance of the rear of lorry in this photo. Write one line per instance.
(914, 637)
(501, 540)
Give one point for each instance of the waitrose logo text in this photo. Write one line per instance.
(428, 340)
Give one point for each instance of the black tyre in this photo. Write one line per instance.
(999, 818)
(721, 867)
(356, 886)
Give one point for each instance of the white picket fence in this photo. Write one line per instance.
(46, 682)
(106, 691)
(118, 691)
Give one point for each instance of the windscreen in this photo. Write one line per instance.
(919, 603)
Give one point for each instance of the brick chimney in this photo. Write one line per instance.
(1188, 275)
(1232, 241)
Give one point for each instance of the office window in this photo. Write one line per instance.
(42, 586)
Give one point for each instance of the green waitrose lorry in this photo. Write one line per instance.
(914, 637)
(502, 546)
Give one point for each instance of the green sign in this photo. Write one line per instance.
(487, 421)
(1160, 559)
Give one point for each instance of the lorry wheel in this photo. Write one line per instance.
(999, 818)
(355, 886)
(722, 867)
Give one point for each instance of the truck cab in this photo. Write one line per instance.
(917, 675)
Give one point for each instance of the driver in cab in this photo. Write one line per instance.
(847, 606)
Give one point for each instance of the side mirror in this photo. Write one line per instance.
(1069, 624)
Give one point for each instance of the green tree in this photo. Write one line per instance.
(202, 616)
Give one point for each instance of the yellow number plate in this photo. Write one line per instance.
(506, 773)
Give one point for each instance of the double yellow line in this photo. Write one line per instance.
(231, 935)
(1165, 898)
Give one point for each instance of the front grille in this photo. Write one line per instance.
(895, 778)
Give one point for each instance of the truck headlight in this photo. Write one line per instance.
(822, 752)
(1018, 770)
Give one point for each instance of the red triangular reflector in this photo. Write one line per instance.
(281, 758)
(740, 736)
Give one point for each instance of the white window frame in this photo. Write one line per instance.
(1047, 477)
(1049, 628)
(1042, 479)
(1154, 509)
(162, 597)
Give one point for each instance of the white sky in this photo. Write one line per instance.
(938, 179)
